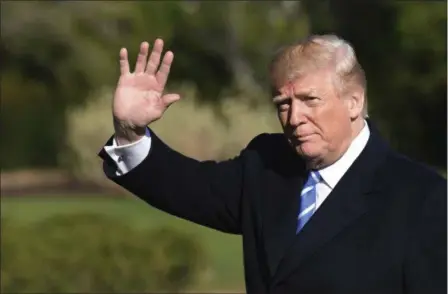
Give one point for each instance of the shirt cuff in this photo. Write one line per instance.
(129, 156)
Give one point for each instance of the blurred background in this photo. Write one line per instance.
(65, 228)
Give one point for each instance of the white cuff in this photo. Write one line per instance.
(131, 155)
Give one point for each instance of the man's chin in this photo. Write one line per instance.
(305, 149)
(312, 157)
(305, 154)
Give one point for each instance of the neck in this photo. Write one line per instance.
(357, 127)
(320, 163)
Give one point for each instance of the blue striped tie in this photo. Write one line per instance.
(308, 200)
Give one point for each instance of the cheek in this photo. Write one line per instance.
(335, 126)
(283, 117)
(328, 121)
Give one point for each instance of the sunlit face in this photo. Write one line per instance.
(315, 120)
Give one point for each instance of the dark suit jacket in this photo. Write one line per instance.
(381, 230)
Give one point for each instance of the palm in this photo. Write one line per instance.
(139, 98)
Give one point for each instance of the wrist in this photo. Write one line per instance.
(125, 134)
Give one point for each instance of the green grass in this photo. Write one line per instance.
(224, 251)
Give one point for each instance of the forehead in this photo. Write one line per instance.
(313, 82)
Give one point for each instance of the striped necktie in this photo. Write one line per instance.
(308, 200)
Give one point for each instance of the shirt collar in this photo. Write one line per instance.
(333, 173)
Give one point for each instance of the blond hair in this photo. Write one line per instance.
(319, 52)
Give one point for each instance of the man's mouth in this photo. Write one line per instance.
(302, 138)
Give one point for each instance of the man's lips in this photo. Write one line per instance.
(301, 138)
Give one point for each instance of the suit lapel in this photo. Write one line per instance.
(348, 201)
(281, 186)
(279, 223)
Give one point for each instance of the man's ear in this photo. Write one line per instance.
(355, 102)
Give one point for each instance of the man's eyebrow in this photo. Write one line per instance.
(280, 98)
(308, 92)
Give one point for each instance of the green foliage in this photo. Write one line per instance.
(89, 128)
(57, 54)
(89, 253)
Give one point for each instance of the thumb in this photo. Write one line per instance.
(169, 99)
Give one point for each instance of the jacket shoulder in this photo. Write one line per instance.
(273, 152)
(267, 141)
(415, 172)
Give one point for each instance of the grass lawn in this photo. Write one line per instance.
(224, 251)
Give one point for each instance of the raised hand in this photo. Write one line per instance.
(139, 99)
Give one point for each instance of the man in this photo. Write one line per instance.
(325, 207)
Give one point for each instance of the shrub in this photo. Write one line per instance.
(89, 253)
(193, 129)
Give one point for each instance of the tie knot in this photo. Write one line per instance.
(314, 177)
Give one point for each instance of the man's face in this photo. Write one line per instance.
(315, 120)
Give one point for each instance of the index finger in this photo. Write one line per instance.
(162, 74)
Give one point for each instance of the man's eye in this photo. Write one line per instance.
(283, 106)
(312, 100)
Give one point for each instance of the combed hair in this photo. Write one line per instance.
(319, 52)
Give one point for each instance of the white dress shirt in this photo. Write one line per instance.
(333, 173)
(129, 156)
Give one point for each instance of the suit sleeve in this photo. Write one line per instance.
(426, 263)
(204, 192)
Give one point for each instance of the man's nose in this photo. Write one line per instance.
(297, 115)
